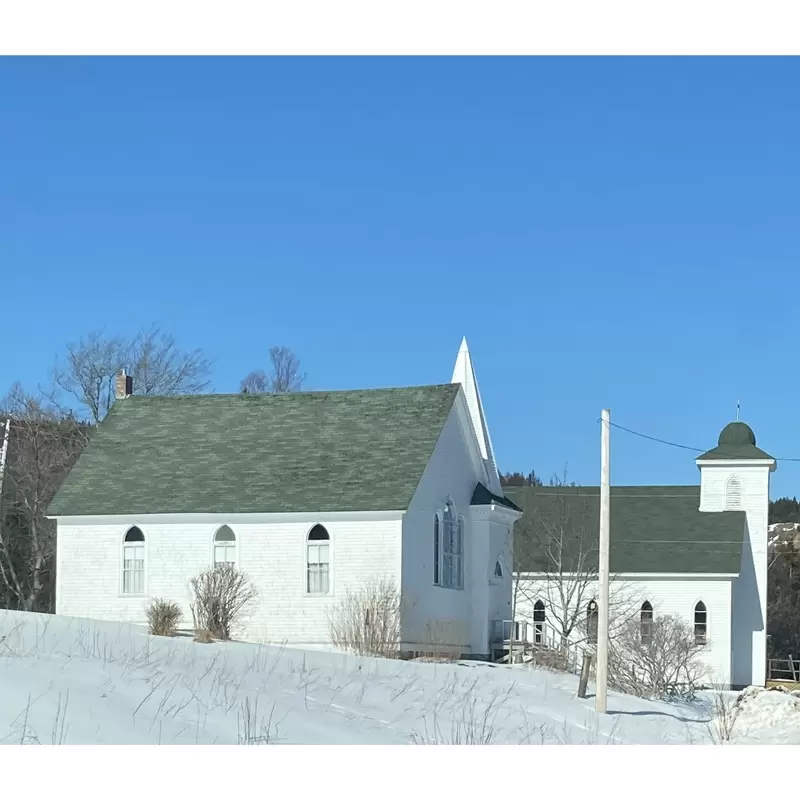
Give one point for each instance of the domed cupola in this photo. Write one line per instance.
(737, 434)
(736, 442)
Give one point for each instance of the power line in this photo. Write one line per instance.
(654, 438)
(672, 444)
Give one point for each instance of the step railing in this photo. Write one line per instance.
(537, 641)
(784, 669)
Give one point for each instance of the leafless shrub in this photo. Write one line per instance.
(222, 596)
(368, 622)
(665, 665)
(725, 714)
(163, 617)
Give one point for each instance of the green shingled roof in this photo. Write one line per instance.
(484, 497)
(653, 529)
(245, 453)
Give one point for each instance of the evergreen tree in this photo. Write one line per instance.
(784, 510)
(520, 479)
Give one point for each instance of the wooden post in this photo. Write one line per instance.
(585, 669)
(603, 567)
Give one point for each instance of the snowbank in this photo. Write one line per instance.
(74, 681)
(769, 715)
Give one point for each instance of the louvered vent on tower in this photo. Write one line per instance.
(733, 494)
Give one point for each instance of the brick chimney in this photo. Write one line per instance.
(123, 386)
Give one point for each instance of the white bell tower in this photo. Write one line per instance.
(734, 476)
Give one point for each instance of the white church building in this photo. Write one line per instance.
(311, 494)
(695, 552)
(316, 494)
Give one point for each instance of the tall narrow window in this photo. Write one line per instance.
(452, 559)
(437, 546)
(646, 623)
(133, 562)
(448, 543)
(458, 555)
(498, 569)
(733, 494)
(539, 616)
(224, 547)
(591, 622)
(318, 561)
(700, 623)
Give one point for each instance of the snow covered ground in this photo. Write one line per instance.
(74, 681)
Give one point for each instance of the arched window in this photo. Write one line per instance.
(448, 544)
(133, 562)
(733, 494)
(224, 547)
(498, 569)
(458, 555)
(437, 548)
(539, 616)
(318, 562)
(646, 623)
(451, 560)
(591, 622)
(700, 623)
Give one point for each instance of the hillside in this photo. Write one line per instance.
(78, 682)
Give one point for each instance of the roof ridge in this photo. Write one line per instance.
(305, 393)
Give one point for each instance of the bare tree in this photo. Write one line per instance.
(157, 364)
(284, 375)
(556, 549)
(255, 382)
(41, 446)
(160, 366)
(87, 372)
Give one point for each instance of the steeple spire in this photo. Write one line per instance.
(464, 373)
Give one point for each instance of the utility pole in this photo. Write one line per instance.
(603, 567)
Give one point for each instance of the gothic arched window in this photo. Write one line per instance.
(591, 622)
(646, 623)
(133, 555)
(452, 548)
(224, 547)
(318, 561)
(700, 623)
(539, 617)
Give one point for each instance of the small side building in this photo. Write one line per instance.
(696, 552)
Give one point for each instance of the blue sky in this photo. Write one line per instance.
(619, 232)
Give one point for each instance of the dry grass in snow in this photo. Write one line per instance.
(74, 681)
